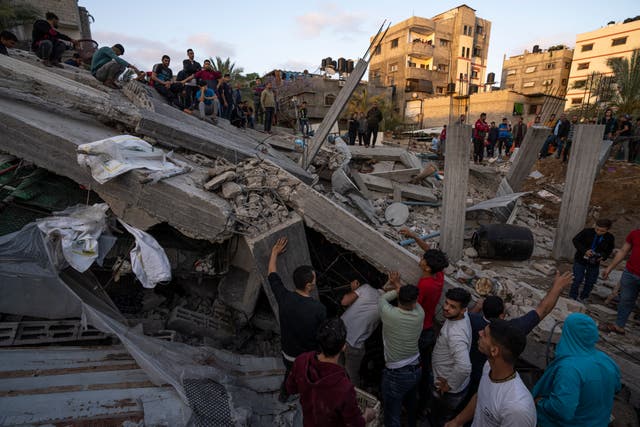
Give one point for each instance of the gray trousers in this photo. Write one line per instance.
(205, 110)
(51, 50)
(109, 71)
(352, 361)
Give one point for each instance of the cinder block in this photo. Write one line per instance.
(46, 332)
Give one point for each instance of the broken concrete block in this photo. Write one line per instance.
(602, 311)
(220, 169)
(230, 190)
(471, 253)
(219, 180)
(544, 268)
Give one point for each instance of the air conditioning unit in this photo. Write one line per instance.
(340, 83)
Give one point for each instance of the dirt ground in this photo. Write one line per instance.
(616, 194)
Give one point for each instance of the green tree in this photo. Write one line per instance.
(227, 67)
(12, 15)
(626, 74)
(362, 100)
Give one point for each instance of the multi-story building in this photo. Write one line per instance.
(74, 19)
(432, 56)
(540, 71)
(593, 50)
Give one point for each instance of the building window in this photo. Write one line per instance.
(464, 30)
(462, 54)
(529, 84)
(579, 84)
(394, 43)
(564, 82)
(474, 74)
(377, 50)
(468, 50)
(393, 67)
(575, 101)
(479, 29)
(619, 41)
(375, 73)
(587, 47)
(329, 99)
(424, 66)
(443, 67)
(535, 108)
(511, 72)
(551, 65)
(530, 70)
(567, 65)
(390, 81)
(444, 43)
(411, 64)
(547, 82)
(583, 66)
(477, 51)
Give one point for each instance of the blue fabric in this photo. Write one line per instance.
(629, 288)
(578, 387)
(400, 385)
(207, 93)
(503, 130)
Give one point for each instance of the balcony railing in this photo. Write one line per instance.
(422, 74)
(421, 50)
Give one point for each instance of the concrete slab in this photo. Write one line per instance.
(409, 191)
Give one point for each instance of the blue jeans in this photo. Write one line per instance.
(304, 126)
(398, 386)
(586, 272)
(629, 288)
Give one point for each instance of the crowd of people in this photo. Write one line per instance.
(463, 373)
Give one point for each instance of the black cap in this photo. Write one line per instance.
(119, 47)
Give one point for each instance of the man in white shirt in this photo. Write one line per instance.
(502, 399)
(450, 359)
(361, 319)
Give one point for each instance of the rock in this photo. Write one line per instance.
(471, 253)
(230, 190)
(219, 180)
(545, 269)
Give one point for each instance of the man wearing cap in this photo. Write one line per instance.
(107, 65)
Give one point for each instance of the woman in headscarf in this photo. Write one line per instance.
(578, 387)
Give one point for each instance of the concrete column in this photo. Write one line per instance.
(581, 172)
(525, 159)
(456, 179)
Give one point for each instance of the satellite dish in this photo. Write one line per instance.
(397, 214)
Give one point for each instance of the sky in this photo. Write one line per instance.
(296, 35)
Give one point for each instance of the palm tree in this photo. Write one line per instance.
(627, 78)
(226, 67)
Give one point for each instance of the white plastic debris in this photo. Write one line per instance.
(148, 260)
(78, 229)
(114, 156)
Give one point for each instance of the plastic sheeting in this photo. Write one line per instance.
(114, 156)
(148, 260)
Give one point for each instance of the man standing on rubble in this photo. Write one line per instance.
(361, 318)
(629, 282)
(401, 327)
(374, 117)
(327, 396)
(593, 245)
(493, 308)
(268, 102)
(480, 131)
(430, 285)
(107, 65)
(300, 315)
(519, 132)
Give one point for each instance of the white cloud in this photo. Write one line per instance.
(331, 19)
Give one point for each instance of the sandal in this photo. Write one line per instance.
(610, 327)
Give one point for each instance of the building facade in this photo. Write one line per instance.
(74, 19)
(540, 71)
(421, 57)
(593, 50)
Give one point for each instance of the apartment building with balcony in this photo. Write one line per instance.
(423, 57)
(539, 71)
(593, 50)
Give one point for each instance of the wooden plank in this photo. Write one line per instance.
(409, 191)
(399, 175)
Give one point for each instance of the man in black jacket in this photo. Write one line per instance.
(48, 42)
(592, 246)
(374, 117)
(563, 127)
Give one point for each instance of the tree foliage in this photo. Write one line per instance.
(362, 101)
(227, 67)
(627, 80)
(12, 15)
